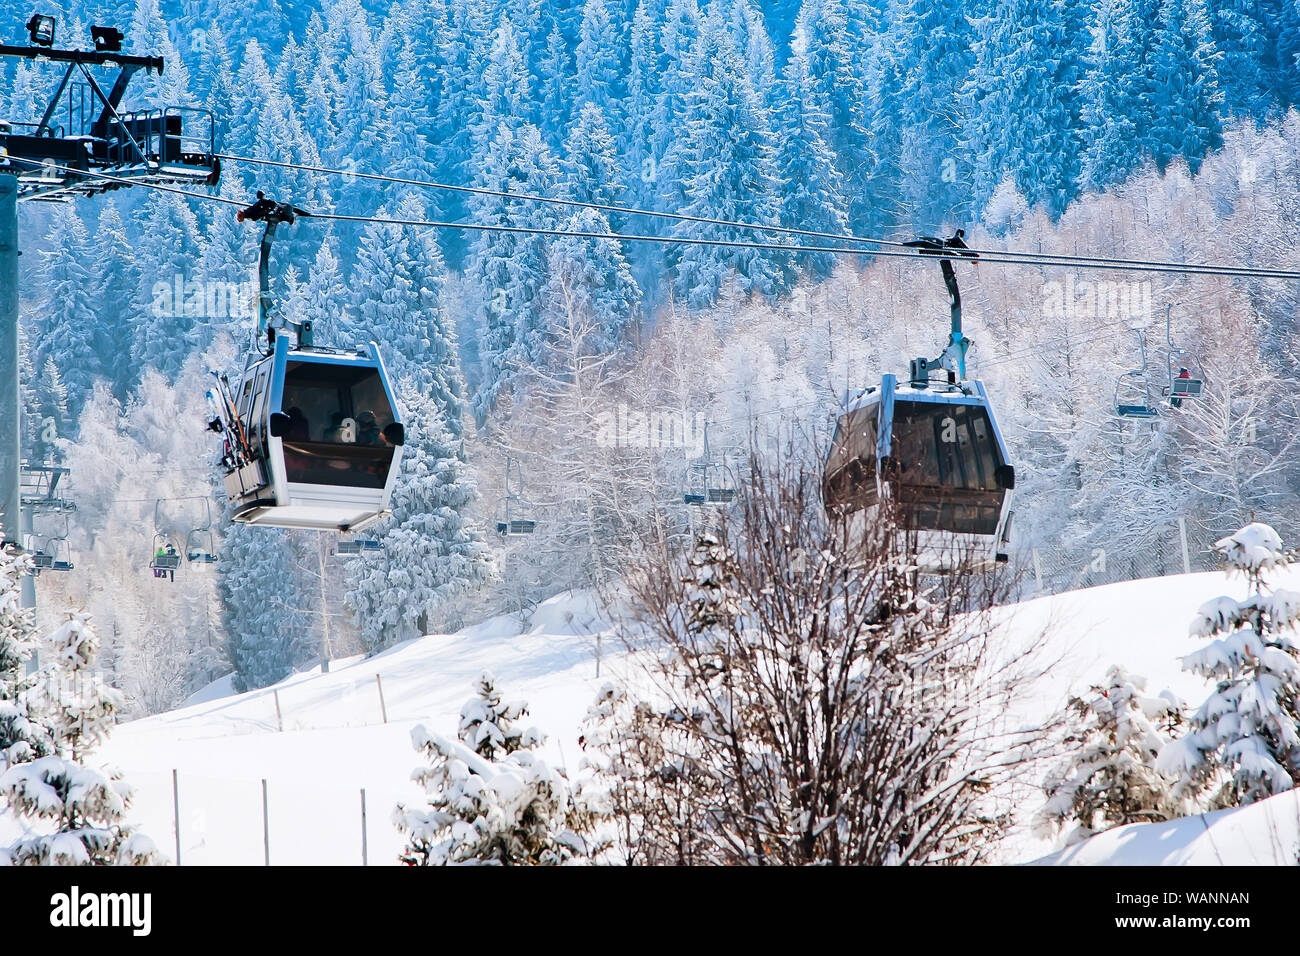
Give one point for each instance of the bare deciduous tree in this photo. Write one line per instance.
(802, 702)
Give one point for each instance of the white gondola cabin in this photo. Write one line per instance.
(937, 455)
(319, 440)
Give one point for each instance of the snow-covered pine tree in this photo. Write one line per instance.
(1109, 777)
(72, 813)
(53, 419)
(325, 299)
(259, 595)
(116, 290)
(1243, 35)
(69, 324)
(149, 35)
(506, 85)
(1111, 86)
(1243, 743)
(590, 167)
(509, 269)
(726, 154)
(166, 330)
(406, 149)
(21, 738)
(493, 800)
(396, 295)
(813, 195)
(1025, 45)
(837, 43)
(677, 68)
(557, 85)
(433, 552)
(601, 57)
(928, 45)
(1185, 104)
(591, 275)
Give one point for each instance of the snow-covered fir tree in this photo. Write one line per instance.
(492, 798)
(69, 329)
(1109, 777)
(433, 551)
(508, 270)
(260, 611)
(1185, 103)
(728, 169)
(812, 197)
(1243, 743)
(72, 813)
(21, 737)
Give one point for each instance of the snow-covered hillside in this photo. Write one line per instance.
(334, 741)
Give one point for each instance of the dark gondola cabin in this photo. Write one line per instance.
(936, 454)
(323, 438)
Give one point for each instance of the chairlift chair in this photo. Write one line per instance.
(1180, 386)
(200, 547)
(511, 525)
(354, 546)
(1132, 389)
(51, 552)
(200, 542)
(164, 555)
(705, 488)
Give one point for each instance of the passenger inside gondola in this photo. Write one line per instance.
(352, 449)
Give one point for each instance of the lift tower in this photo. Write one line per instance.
(82, 132)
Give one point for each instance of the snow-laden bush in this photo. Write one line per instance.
(1110, 776)
(803, 702)
(72, 813)
(1244, 741)
(492, 798)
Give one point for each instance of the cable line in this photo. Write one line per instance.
(1172, 268)
(986, 254)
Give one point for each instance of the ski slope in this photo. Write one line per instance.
(334, 740)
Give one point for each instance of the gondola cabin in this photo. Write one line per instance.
(321, 438)
(937, 454)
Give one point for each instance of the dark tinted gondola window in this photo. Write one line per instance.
(337, 414)
(850, 479)
(947, 458)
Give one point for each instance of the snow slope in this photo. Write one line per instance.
(334, 741)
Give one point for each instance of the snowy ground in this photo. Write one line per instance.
(334, 741)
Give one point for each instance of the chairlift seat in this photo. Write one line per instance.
(165, 562)
(201, 557)
(1186, 388)
(722, 496)
(1136, 411)
(358, 546)
(60, 566)
(516, 526)
(694, 498)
